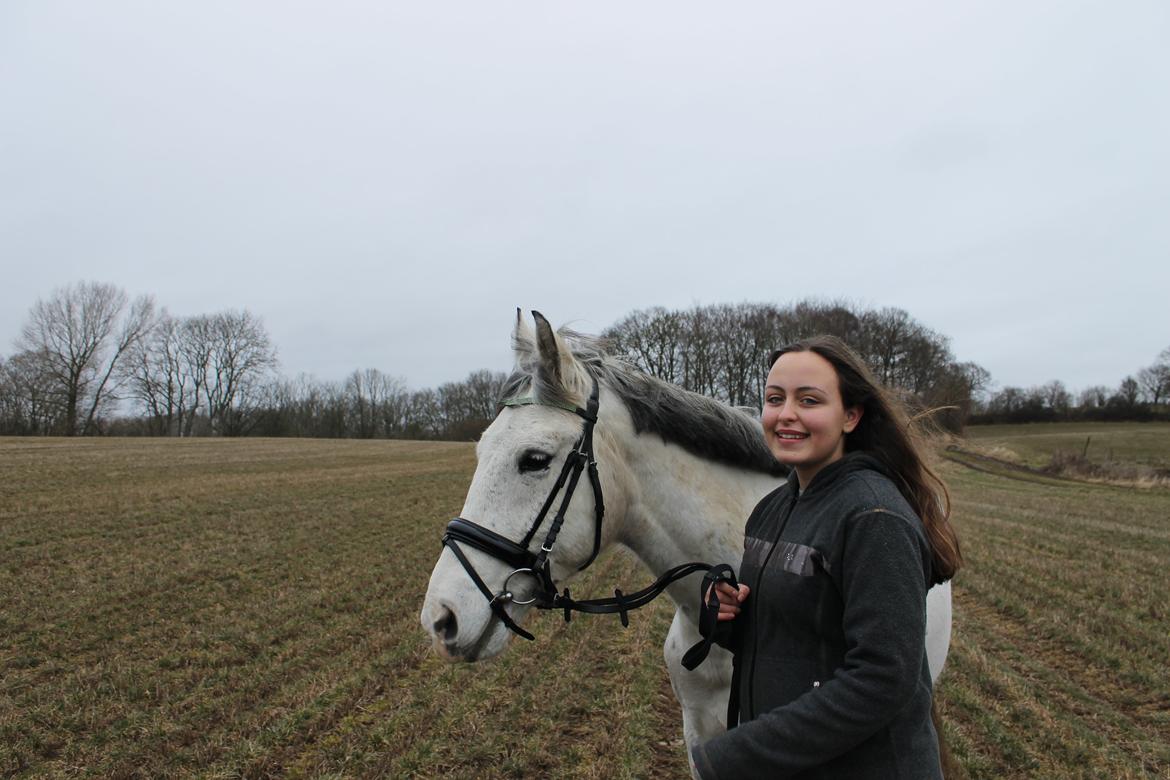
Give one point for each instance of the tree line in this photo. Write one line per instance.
(369, 404)
(88, 348)
(1143, 396)
(721, 351)
(91, 361)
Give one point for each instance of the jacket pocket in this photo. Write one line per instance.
(779, 680)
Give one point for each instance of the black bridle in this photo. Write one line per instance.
(580, 459)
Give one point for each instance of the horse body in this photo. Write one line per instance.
(688, 509)
(679, 472)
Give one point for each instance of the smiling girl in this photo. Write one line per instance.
(831, 678)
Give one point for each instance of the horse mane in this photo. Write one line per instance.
(701, 425)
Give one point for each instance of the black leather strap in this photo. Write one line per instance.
(578, 464)
(490, 542)
(708, 615)
(625, 602)
(566, 469)
(623, 610)
(494, 602)
(599, 503)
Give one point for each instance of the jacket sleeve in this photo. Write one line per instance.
(883, 584)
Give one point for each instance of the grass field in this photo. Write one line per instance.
(249, 609)
(1147, 444)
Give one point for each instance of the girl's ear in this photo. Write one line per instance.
(853, 417)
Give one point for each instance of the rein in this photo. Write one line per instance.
(580, 459)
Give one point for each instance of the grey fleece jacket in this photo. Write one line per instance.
(830, 656)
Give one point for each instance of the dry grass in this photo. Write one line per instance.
(1135, 455)
(1141, 444)
(249, 609)
(1058, 666)
(1078, 466)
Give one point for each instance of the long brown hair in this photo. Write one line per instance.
(885, 433)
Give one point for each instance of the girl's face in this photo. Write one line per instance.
(805, 420)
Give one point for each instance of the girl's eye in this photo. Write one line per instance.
(807, 401)
(774, 399)
(534, 460)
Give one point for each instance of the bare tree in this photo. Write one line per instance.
(927, 354)
(1056, 397)
(485, 388)
(720, 350)
(699, 357)
(954, 391)
(1094, 397)
(161, 379)
(197, 339)
(375, 403)
(394, 407)
(651, 339)
(771, 329)
(1127, 394)
(1155, 379)
(209, 370)
(835, 318)
(1007, 402)
(739, 354)
(977, 377)
(468, 407)
(885, 341)
(241, 357)
(316, 408)
(424, 416)
(82, 333)
(29, 403)
(361, 395)
(319, 408)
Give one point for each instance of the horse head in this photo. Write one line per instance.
(492, 565)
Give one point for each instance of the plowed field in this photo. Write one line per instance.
(249, 608)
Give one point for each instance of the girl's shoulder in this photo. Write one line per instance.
(865, 486)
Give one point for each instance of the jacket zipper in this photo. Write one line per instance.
(756, 589)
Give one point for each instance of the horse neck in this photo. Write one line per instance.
(679, 507)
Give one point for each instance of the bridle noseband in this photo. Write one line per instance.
(537, 565)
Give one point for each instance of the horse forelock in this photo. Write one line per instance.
(701, 425)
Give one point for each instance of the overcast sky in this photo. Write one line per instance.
(385, 182)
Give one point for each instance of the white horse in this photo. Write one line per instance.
(679, 472)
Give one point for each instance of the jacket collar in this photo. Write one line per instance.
(824, 479)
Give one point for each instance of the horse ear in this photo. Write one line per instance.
(556, 367)
(546, 343)
(523, 339)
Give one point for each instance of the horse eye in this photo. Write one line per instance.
(534, 460)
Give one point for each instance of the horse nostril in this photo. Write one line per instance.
(446, 626)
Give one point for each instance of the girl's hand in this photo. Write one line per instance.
(729, 599)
